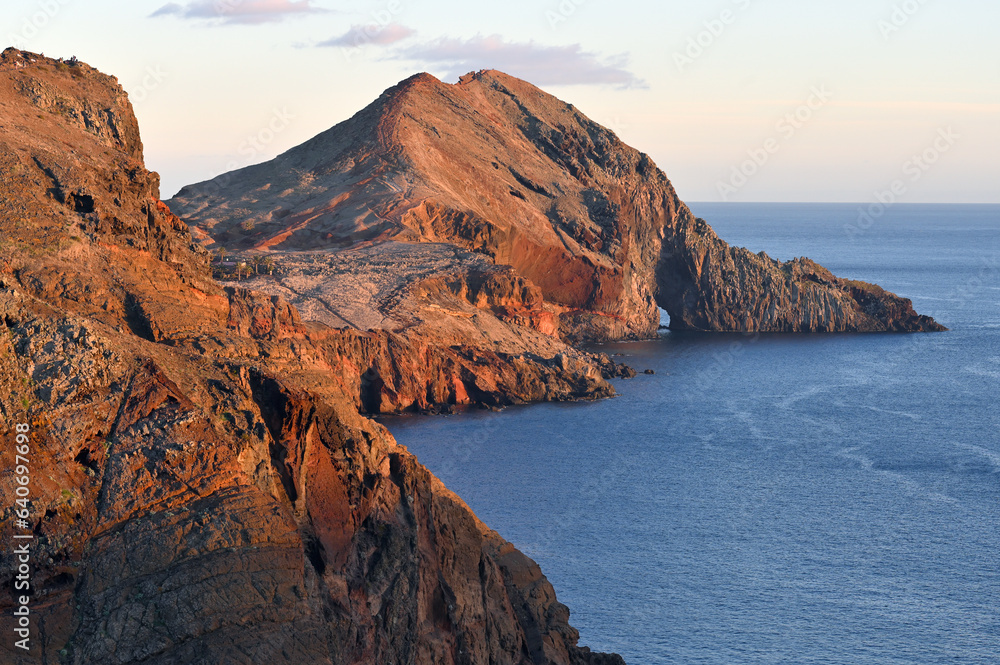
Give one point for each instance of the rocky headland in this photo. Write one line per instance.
(203, 487)
(206, 487)
(501, 170)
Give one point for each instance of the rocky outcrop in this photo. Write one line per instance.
(492, 165)
(707, 285)
(495, 166)
(203, 487)
(428, 328)
(389, 373)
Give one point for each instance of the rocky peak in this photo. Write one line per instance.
(79, 94)
(73, 174)
(491, 164)
(497, 166)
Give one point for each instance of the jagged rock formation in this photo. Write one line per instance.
(494, 165)
(712, 286)
(204, 489)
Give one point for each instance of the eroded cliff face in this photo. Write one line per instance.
(494, 165)
(707, 285)
(204, 489)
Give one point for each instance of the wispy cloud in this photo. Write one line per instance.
(229, 12)
(381, 35)
(540, 64)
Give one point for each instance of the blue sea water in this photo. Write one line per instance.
(805, 499)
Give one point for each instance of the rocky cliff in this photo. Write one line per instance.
(712, 286)
(203, 487)
(495, 166)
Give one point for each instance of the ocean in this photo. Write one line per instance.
(800, 499)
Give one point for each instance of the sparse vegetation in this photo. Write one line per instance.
(865, 286)
(238, 267)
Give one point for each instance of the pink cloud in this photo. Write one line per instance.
(540, 64)
(230, 12)
(360, 35)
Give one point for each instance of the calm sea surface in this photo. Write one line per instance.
(776, 499)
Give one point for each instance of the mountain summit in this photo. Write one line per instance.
(494, 165)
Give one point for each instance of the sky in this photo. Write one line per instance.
(736, 100)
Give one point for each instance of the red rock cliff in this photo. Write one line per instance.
(204, 489)
(495, 165)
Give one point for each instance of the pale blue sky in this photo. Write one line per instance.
(885, 79)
